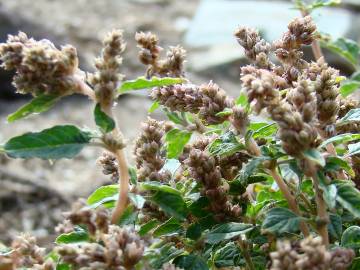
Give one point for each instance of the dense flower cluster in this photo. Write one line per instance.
(40, 67)
(106, 79)
(309, 254)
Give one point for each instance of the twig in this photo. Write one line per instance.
(254, 148)
(323, 217)
(244, 248)
(119, 154)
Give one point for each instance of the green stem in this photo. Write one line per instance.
(244, 248)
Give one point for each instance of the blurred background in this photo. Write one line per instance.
(33, 193)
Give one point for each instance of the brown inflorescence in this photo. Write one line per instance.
(301, 31)
(256, 49)
(120, 248)
(148, 154)
(26, 253)
(110, 165)
(204, 169)
(107, 77)
(214, 100)
(309, 254)
(179, 97)
(171, 66)
(40, 67)
(327, 91)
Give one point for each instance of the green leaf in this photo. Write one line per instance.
(227, 231)
(351, 237)
(265, 131)
(227, 256)
(346, 48)
(315, 156)
(143, 83)
(157, 186)
(342, 138)
(169, 227)
(102, 193)
(191, 262)
(39, 104)
(102, 120)
(349, 87)
(336, 164)
(329, 191)
(349, 197)
(249, 169)
(154, 106)
(199, 207)
(242, 100)
(238, 186)
(225, 145)
(137, 200)
(225, 112)
(172, 204)
(194, 231)
(335, 226)
(163, 255)
(53, 143)
(176, 140)
(78, 235)
(354, 149)
(281, 220)
(128, 217)
(323, 3)
(352, 116)
(144, 229)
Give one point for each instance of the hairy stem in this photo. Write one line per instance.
(245, 251)
(254, 148)
(289, 198)
(119, 154)
(323, 217)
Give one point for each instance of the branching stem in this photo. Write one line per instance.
(245, 251)
(119, 154)
(323, 217)
(254, 148)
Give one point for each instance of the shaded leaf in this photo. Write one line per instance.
(137, 200)
(53, 143)
(176, 140)
(227, 231)
(281, 220)
(169, 227)
(144, 229)
(143, 83)
(346, 48)
(349, 197)
(351, 237)
(315, 156)
(163, 255)
(102, 120)
(39, 104)
(194, 231)
(336, 164)
(191, 262)
(172, 204)
(225, 145)
(335, 226)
